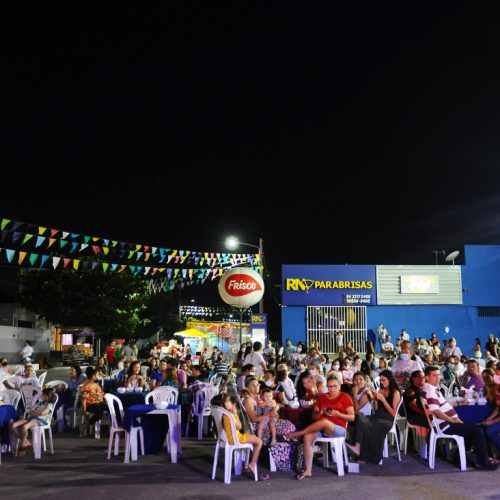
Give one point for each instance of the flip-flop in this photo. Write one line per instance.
(302, 476)
(264, 477)
(289, 439)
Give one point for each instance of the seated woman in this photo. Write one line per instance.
(412, 400)
(255, 412)
(39, 415)
(306, 387)
(370, 431)
(492, 422)
(335, 370)
(134, 378)
(171, 378)
(361, 394)
(332, 411)
(76, 378)
(101, 368)
(92, 397)
(285, 383)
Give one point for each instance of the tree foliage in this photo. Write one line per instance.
(111, 303)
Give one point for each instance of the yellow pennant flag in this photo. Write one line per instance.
(41, 230)
(76, 263)
(22, 255)
(105, 250)
(51, 242)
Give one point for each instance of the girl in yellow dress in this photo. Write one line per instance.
(229, 403)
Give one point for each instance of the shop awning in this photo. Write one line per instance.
(192, 332)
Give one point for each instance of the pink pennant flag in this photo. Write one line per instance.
(67, 262)
(95, 248)
(53, 232)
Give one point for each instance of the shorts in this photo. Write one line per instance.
(337, 433)
(38, 420)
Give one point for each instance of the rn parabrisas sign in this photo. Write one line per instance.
(328, 285)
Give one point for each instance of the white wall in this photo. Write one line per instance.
(12, 341)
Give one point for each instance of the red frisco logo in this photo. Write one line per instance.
(241, 284)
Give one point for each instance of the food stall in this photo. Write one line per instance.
(76, 345)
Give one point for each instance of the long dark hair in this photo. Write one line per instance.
(393, 386)
(301, 390)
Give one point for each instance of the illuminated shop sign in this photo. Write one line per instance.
(328, 285)
(419, 284)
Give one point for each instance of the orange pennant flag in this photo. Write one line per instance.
(22, 255)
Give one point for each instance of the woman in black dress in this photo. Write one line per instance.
(370, 431)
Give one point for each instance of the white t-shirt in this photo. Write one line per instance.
(27, 352)
(255, 359)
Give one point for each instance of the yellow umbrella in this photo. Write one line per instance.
(192, 332)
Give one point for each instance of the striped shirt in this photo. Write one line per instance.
(436, 401)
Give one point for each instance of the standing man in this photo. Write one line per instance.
(110, 355)
(269, 351)
(288, 350)
(387, 347)
(448, 420)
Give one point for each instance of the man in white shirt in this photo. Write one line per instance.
(269, 351)
(27, 378)
(448, 420)
(404, 335)
(256, 359)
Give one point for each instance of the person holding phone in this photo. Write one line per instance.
(331, 413)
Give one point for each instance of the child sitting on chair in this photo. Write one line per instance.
(229, 404)
(40, 414)
(267, 405)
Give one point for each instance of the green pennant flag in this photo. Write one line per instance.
(63, 243)
(86, 239)
(105, 266)
(33, 258)
(27, 237)
(4, 223)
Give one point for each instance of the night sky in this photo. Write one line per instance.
(360, 134)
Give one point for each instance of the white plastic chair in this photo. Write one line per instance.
(74, 410)
(27, 394)
(201, 408)
(394, 432)
(169, 395)
(436, 434)
(242, 449)
(38, 432)
(60, 411)
(41, 378)
(161, 394)
(115, 429)
(11, 397)
(339, 452)
(418, 431)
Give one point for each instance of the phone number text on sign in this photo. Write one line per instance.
(357, 299)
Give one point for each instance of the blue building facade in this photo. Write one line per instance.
(460, 301)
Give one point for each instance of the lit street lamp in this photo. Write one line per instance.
(232, 243)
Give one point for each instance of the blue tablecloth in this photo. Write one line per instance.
(155, 427)
(130, 398)
(7, 413)
(474, 414)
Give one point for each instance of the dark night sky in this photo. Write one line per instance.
(361, 134)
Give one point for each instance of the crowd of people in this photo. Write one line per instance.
(350, 395)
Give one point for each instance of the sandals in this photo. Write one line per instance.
(289, 439)
(302, 475)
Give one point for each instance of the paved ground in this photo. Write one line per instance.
(79, 469)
